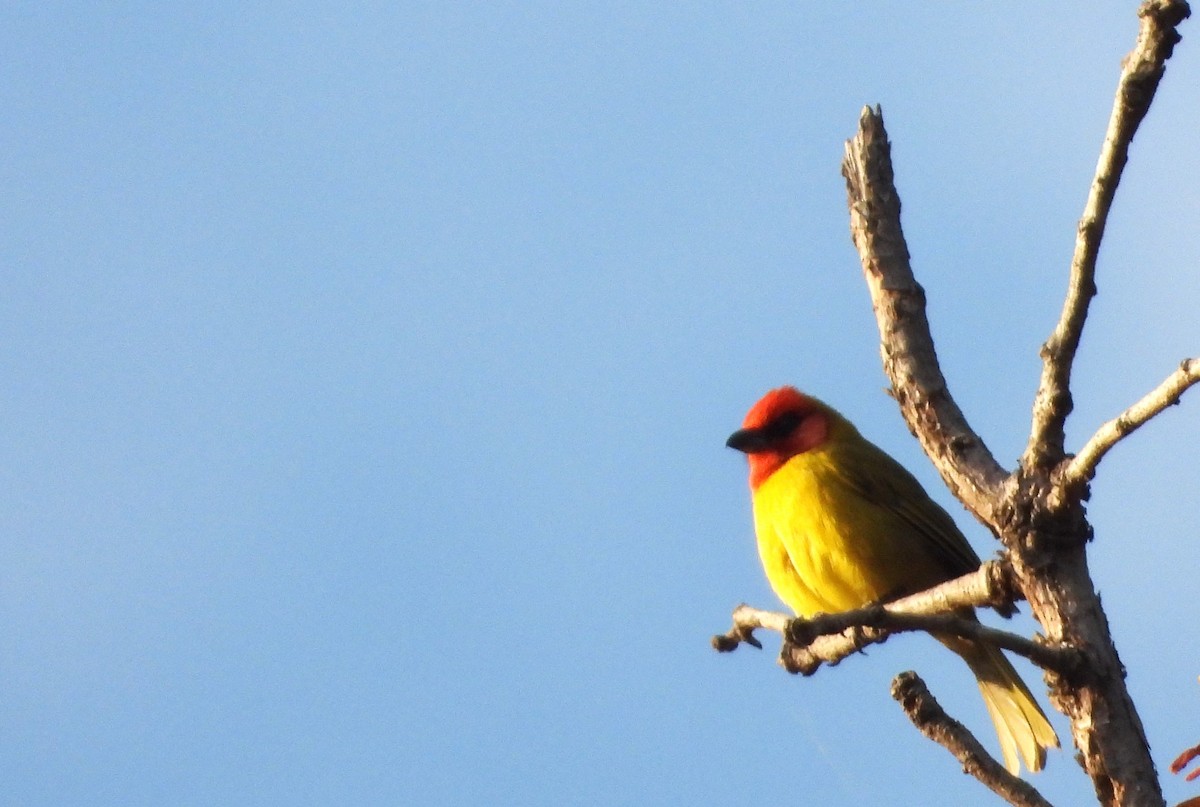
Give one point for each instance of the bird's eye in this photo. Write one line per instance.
(784, 425)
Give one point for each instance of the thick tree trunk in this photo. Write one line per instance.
(1048, 553)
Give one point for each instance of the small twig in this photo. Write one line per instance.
(1184, 759)
(1140, 73)
(932, 721)
(746, 619)
(1082, 467)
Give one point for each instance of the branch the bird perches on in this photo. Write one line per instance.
(829, 638)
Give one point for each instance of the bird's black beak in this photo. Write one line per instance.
(748, 441)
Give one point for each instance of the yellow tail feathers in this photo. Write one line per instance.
(1020, 723)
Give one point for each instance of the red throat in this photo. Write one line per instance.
(811, 433)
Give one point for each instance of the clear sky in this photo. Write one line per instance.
(366, 371)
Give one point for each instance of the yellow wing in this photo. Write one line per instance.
(877, 478)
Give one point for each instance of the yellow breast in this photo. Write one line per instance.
(826, 547)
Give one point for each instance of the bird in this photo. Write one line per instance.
(841, 525)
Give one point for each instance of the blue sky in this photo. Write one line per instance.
(367, 370)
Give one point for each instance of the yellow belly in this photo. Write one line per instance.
(826, 548)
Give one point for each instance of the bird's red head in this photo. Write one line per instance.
(785, 422)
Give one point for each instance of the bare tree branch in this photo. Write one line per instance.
(1040, 519)
(865, 626)
(1043, 522)
(829, 638)
(909, 358)
(1140, 73)
(991, 585)
(1082, 468)
(932, 721)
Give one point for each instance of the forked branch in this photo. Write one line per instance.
(1141, 71)
(1046, 542)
